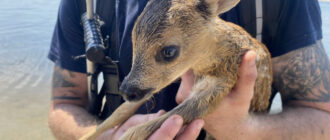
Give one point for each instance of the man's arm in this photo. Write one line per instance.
(68, 118)
(303, 79)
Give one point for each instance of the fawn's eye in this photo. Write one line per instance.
(169, 53)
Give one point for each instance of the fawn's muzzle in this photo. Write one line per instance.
(133, 93)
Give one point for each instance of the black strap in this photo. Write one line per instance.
(274, 15)
(275, 12)
(247, 16)
(284, 9)
(106, 11)
(82, 7)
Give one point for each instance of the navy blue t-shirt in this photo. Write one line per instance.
(297, 26)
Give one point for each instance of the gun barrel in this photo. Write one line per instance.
(95, 49)
(90, 9)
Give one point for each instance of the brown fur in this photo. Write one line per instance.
(210, 46)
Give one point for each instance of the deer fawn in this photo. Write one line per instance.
(172, 36)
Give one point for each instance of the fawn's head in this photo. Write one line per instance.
(169, 37)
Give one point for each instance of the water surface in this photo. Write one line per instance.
(325, 9)
(26, 27)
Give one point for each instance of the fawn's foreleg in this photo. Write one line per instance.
(205, 96)
(124, 111)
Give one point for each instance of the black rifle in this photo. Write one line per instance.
(97, 61)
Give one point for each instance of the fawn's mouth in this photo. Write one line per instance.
(134, 94)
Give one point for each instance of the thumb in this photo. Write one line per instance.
(169, 129)
(187, 82)
(247, 75)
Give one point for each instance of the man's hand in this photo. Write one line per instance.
(301, 76)
(171, 128)
(231, 118)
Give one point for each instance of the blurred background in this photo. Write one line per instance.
(26, 28)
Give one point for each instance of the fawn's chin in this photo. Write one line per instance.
(138, 97)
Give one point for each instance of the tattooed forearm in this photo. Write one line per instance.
(71, 95)
(69, 87)
(303, 74)
(60, 78)
(65, 98)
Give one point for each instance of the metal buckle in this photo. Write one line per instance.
(111, 78)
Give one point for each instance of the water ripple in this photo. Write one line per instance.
(26, 28)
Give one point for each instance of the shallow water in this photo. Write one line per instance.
(25, 31)
(325, 8)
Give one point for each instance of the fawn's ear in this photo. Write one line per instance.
(221, 6)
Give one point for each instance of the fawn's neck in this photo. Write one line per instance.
(231, 34)
(226, 41)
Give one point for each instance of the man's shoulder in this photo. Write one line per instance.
(72, 7)
(67, 40)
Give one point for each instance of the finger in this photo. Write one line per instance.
(244, 88)
(187, 81)
(169, 129)
(156, 115)
(135, 120)
(138, 119)
(192, 131)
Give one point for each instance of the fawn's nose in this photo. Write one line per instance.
(133, 93)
